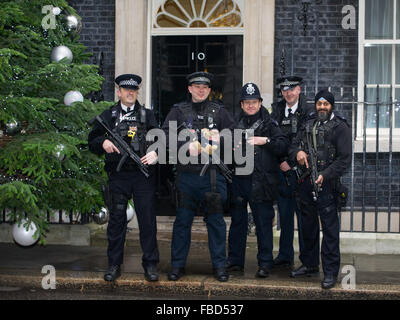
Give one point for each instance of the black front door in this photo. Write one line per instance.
(174, 57)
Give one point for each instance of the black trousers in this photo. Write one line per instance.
(123, 186)
(326, 209)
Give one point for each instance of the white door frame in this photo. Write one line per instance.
(177, 32)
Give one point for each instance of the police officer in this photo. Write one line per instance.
(259, 187)
(129, 119)
(195, 191)
(290, 113)
(328, 137)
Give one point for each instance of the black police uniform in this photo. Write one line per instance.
(289, 124)
(193, 189)
(332, 142)
(258, 189)
(129, 181)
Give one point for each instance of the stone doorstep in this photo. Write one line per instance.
(92, 234)
(204, 286)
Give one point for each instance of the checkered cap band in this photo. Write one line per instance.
(288, 83)
(129, 82)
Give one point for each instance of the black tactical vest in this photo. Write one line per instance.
(131, 127)
(321, 140)
(289, 125)
(207, 118)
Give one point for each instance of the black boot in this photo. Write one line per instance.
(112, 273)
(263, 272)
(304, 271)
(221, 275)
(150, 273)
(329, 281)
(176, 273)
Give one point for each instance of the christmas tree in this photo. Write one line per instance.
(45, 164)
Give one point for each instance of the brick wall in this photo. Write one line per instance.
(338, 68)
(98, 34)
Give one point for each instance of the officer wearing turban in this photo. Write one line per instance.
(328, 136)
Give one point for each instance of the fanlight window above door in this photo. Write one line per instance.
(198, 14)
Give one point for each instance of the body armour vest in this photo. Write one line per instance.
(322, 142)
(289, 125)
(206, 118)
(131, 127)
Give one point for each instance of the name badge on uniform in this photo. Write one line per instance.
(200, 117)
(285, 122)
(127, 118)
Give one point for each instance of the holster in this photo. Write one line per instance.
(341, 193)
(213, 202)
(106, 195)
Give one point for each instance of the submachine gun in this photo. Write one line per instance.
(123, 147)
(312, 163)
(196, 136)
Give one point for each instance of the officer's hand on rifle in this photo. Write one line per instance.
(302, 158)
(320, 180)
(109, 147)
(212, 135)
(284, 166)
(149, 158)
(194, 148)
(259, 141)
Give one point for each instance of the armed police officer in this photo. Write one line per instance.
(323, 148)
(259, 187)
(128, 120)
(207, 191)
(290, 113)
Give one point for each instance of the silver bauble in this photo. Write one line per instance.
(101, 217)
(12, 127)
(56, 11)
(61, 52)
(72, 24)
(130, 212)
(22, 236)
(59, 152)
(72, 96)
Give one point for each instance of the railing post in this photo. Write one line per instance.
(364, 157)
(377, 156)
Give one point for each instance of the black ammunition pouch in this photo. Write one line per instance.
(106, 195)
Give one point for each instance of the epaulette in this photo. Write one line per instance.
(343, 119)
(274, 122)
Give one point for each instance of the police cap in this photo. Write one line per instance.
(128, 81)
(250, 91)
(200, 78)
(288, 82)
